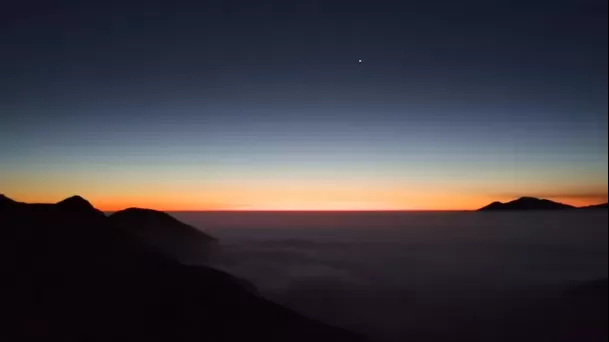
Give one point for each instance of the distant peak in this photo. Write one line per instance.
(5, 199)
(135, 209)
(76, 201)
(74, 198)
(527, 203)
(142, 212)
(528, 198)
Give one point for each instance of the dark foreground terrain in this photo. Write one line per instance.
(69, 274)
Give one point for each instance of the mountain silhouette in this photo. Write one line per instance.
(597, 206)
(526, 203)
(70, 274)
(5, 200)
(76, 202)
(164, 232)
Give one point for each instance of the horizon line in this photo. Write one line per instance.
(302, 210)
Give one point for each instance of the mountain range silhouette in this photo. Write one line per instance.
(532, 203)
(71, 274)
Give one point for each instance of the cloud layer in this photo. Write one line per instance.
(390, 276)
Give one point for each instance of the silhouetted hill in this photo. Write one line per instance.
(5, 200)
(597, 206)
(526, 203)
(69, 274)
(165, 233)
(79, 206)
(76, 203)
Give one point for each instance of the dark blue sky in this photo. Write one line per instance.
(458, 98)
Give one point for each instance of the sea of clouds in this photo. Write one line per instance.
(375, 271)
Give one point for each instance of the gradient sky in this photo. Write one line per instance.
(263, 104)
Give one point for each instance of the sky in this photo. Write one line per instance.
(256, 105)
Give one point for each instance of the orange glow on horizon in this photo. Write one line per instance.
(168, 205)
(291, 197)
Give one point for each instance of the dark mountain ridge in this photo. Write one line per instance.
(165, 233)
(596, 206)
(72, 275)
(532, 203)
